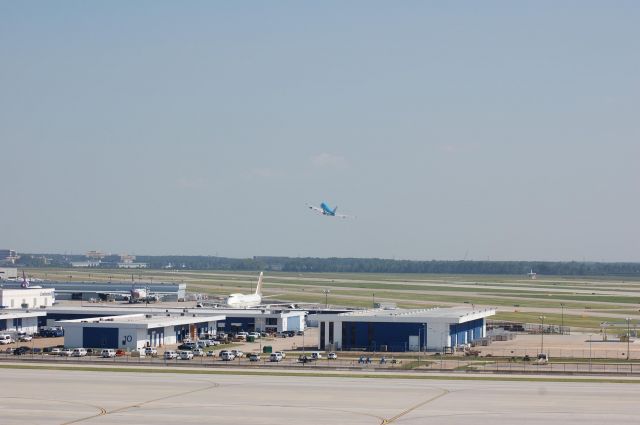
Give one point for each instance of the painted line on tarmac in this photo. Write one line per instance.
(417, 406)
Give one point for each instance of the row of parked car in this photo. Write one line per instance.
(6, 339)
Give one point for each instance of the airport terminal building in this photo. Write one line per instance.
(135, 331)
(401, 330)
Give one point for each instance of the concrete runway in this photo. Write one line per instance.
(66, 397)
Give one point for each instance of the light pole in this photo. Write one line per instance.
(628, 319)
(590, 338)
(541, 334)
(326, 297)
(373, 300)
(562, 325)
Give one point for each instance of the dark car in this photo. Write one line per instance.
(21, 350)
(187, 346)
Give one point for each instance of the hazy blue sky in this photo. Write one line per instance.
(501, 130)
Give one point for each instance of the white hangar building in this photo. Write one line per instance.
(134, 331)
(33, 297)
(401, 330)
(20, 321)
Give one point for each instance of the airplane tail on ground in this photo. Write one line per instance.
(259, 287)
(25, 282)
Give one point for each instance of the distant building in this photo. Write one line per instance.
(8, 273)
(8, 256)
(26, 297)
(95, 255)
(89, 263)
(131, 265)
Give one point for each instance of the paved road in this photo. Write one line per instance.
(65, 397)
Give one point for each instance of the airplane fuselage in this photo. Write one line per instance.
(243, 301)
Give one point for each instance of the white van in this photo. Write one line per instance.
(275, 357)
(227, 356)
(79, 352)
(108, 352)
(170, 355)
(6, 339)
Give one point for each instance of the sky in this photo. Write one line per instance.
(452, 130)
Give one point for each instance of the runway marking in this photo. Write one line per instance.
(105, 412)
(102, 410)
(417, 406)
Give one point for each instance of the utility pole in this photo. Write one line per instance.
(562, 325)
(628, 319)
(541, 334)
(326, 297)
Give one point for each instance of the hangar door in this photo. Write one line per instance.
(100, 337)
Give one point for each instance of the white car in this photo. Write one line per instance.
(315, 355)
(170, 355)
(228, 356)
(256, 335)
(6, 339)
(238, 353)
(55, 351)
(198, 352)
(185, 355)
(282, 354)
(24, 337)
(332, 356)
(79, 352)
(275, 357)
(66, 352)
(150, 351)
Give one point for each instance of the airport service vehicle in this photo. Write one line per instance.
(107, 353)
(332, 356)
(316, 355)
(66, 352)
(228, 356)
(254, 357)
(275, 357)
(238, 353)
(170, 355)
(24, 337)
(6, 339)
(79, 352)
(185, 355)
(138, 353)
(150, 351)
(198, 352)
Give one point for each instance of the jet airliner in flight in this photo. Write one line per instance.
(324, 209)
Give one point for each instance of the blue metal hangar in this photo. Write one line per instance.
(133, 331)
(401, 330)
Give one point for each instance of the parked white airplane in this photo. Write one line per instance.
(243, 300)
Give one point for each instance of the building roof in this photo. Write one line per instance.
(144, 309)
(451, 315)
(19, 314)
(143, 320)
